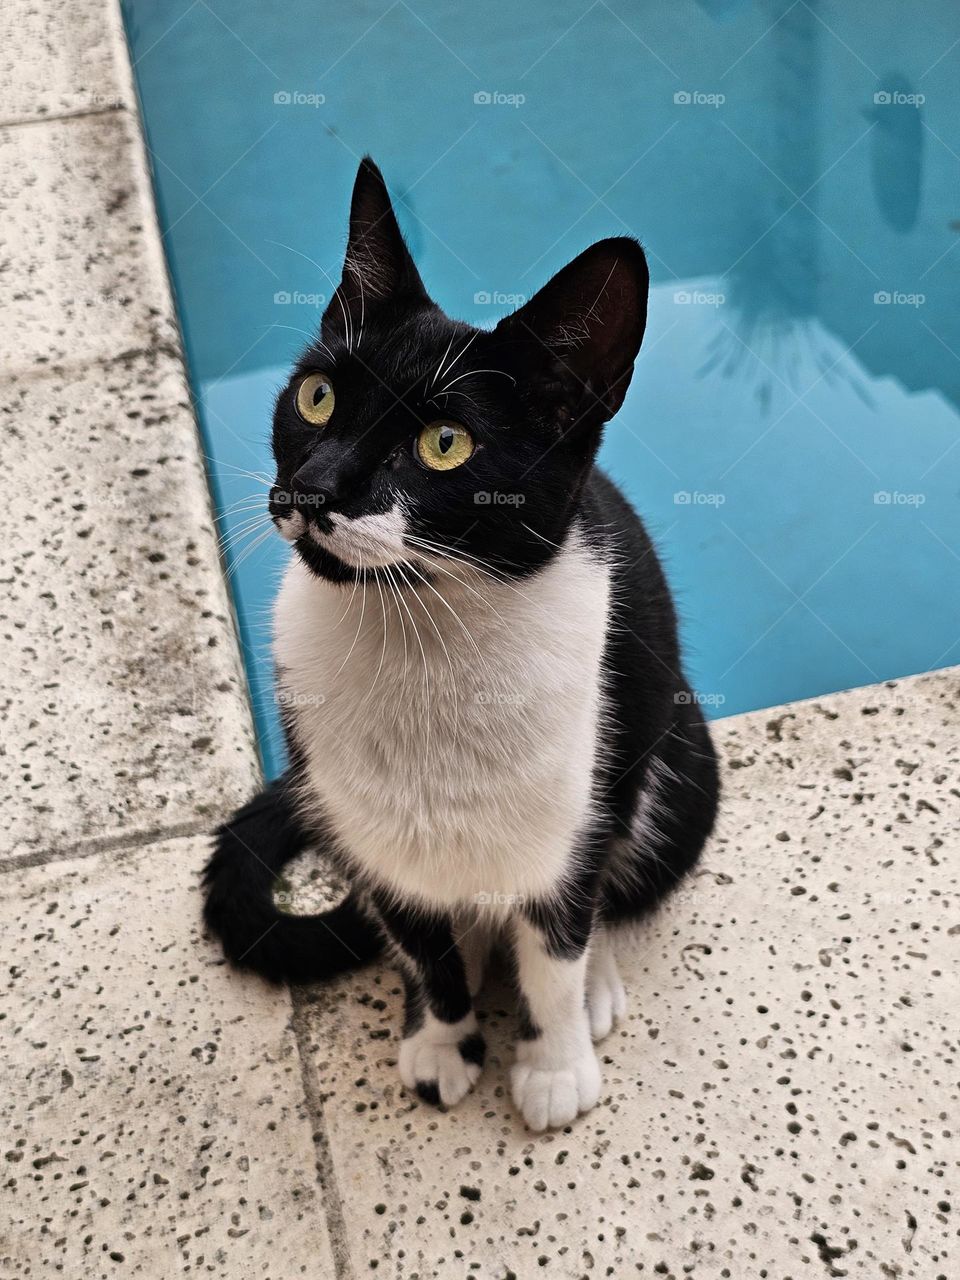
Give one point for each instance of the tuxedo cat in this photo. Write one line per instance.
(489, 727)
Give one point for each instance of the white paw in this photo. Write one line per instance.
(437, 1071)
(548, 1097)
(606, 999)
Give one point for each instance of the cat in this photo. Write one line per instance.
(489, 728)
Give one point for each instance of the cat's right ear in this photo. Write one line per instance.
(575, 342)
(378, 266)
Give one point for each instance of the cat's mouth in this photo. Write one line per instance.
(372, 541)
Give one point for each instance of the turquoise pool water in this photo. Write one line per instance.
(791, 435)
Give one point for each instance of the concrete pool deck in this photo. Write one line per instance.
(781, 1100)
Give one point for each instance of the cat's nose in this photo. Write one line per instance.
(323, 482)
(307, 493)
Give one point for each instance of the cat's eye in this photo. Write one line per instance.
(444, 445)
(315, 399)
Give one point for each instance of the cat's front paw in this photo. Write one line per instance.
(550, 1096)
(438, 1068)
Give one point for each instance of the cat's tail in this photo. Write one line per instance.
(249, 851)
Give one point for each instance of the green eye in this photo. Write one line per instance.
(315, 399)
(444, 445)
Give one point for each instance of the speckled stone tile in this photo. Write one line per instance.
(123, 706)
(61, 56)
(80, 256)
(782, 1099)
(154, 1119)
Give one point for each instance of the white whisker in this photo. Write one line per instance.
(363, 606)
(439, 368)
(248, 552)
(473, 337)
(473, 372)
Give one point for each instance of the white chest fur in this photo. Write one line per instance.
(450, 740)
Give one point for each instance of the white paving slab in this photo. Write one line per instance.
(59, 56)
(782, 1098)
(123, 707)
(83, 269)
(154, 1119)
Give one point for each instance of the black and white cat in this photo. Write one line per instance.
(489, 726)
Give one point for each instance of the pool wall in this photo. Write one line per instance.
(792, 171)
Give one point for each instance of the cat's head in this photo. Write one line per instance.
(404, 435)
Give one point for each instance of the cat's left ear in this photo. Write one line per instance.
(378, 266)
(579, 336)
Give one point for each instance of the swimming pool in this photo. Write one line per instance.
(792, 169)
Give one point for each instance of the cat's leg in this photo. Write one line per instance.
(556, 1075)
(606, 998)
(441, 1049)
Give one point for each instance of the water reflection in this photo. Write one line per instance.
(896, 150)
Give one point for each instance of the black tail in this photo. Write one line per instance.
(250, 850)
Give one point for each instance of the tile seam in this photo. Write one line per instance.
(82, 113)
(92, 845)
(326, 1169)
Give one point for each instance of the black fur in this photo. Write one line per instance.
(427, 943)
(473, 1049)
(251, 849)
